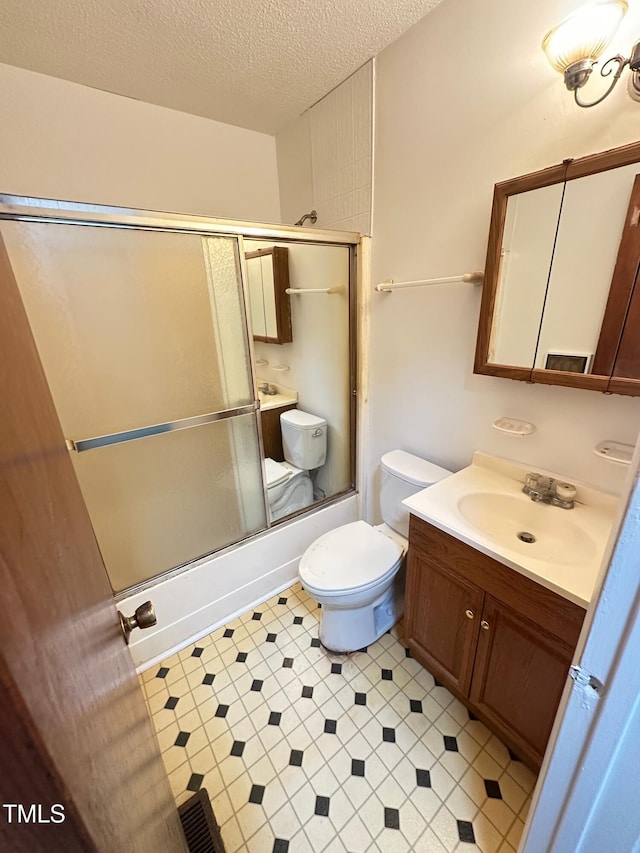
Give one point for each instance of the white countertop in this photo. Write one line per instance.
(284, 397)
(567, 555)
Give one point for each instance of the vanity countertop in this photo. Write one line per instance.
(283, 397)
(484, 506)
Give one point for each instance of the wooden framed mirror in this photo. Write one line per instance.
(561, 298)
(269, 302)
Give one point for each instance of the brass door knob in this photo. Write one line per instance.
(144, 617)
(469, 614)
(484, 625)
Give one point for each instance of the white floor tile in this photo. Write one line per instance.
(437, 796)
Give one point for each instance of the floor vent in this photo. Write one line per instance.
(199, 824)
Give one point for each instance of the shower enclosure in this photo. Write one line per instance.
(142, 328)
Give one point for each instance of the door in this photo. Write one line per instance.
(74, 729)
(143, 339)
(442, 620)
(518, 678)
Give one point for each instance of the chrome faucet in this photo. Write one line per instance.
(549, 491)
(268, 389)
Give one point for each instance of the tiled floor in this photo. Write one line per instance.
(301, 750)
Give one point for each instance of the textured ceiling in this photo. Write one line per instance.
(253, 63)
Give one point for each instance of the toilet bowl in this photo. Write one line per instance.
(288, 488)
(356, 571)
(304, 442)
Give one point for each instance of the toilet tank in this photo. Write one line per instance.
(304, 439)
(402, 475)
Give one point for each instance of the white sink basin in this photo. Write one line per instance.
(533, 529)
(484, 506)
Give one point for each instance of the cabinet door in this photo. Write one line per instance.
(520, 671)
(442, 621)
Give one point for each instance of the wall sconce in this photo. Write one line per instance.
(573, 46)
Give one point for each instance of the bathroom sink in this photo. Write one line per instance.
(536, 530)
(282, 397)
(484, 506)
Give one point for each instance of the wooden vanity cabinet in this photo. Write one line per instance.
(271, 433)
(500, 642)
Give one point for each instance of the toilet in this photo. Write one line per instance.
(304, 442)
(353, 571)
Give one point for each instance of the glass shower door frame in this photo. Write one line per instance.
(30, 209)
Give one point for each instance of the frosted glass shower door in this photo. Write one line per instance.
(143, 338)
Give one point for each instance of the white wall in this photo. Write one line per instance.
(444, 135)
(324, 157)
(61, 140)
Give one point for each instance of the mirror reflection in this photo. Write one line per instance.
(303, 384)
(560, 297)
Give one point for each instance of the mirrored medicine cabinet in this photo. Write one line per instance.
(561, 299)
(269, 302)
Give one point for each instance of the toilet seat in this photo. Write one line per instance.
(353, 557)
(275, 472)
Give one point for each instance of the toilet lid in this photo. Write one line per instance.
(276, 473)
(350, 557)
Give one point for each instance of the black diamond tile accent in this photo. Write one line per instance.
(364, 650)
(387, 675)
(319, 607)
(257, 616)
(162, 672)
(415, 705)
(297, 620)
(391, 818)
(407, 653)
(336, 668)
(450, 743)
(195, 782)
(315, 643)
(209, 678)
(171, 702)
(357, 767)
(271, 638)
(182, 739)
(274, 718)
(437, 683)
(322, 806)
(228, 632)
(492, 788)
(465, 831)
(282, 600)
(241, 657)
(256, 685)
(238, 748)
(287, 663)
(222, 710)
(257, 794)
(361, 699)
(423, 778)
(330, 726)
(280, 845)
(512, 755)
(295, 759)
(388, 735)
(472, 716)
(197, 652)
(307, 692)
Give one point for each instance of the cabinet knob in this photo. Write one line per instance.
(484, 625)
(469, 614)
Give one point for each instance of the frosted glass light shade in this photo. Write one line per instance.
(584, 35)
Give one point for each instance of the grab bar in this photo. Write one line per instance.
(83, 444)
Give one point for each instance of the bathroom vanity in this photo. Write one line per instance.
(497, 628)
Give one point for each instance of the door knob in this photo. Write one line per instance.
(144, 617)
(469, 614)
(484, 625)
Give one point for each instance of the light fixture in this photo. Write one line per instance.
(575, 44)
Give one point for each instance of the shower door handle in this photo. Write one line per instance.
(144, 617)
